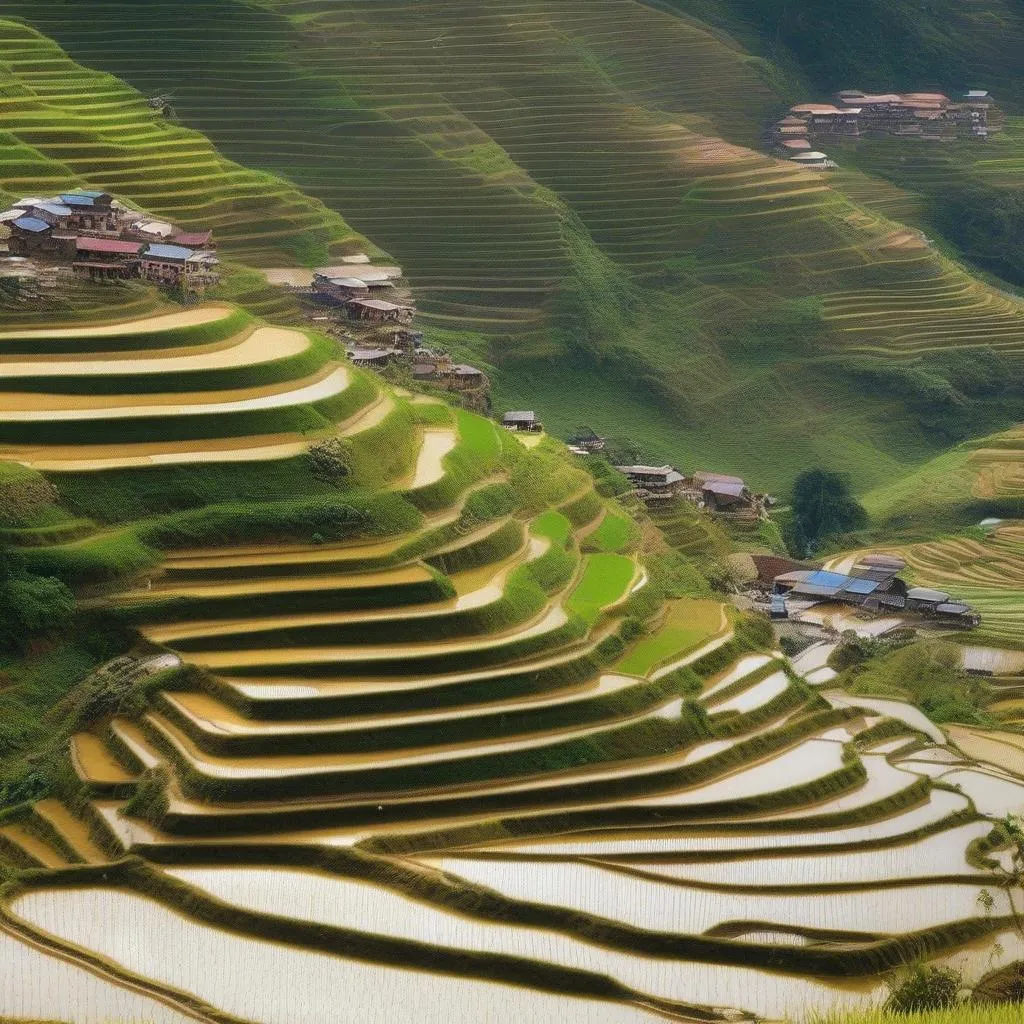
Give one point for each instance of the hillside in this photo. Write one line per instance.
(363, 694)
(577, 196)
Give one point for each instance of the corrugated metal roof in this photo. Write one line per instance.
(927, 595)
(57, 209)
(726, 488)
(346, 282)
(78, 199)
(824, 578)
(33, 224)
(168, 252)
(106, 245)
(860, 586)
(193, 239)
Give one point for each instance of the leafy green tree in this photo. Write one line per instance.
(823, 507)
(30, 605)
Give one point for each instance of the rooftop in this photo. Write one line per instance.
(344, 282)
(106, 245)
(168, 252)
(725, 487)
(81, 198)
(33, 224)
(927, 595)
(817, 108)
(57, 209)
(194, 239)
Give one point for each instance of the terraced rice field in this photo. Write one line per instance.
(129, 393)
(563, 178)
(439, 765)
(71, 126)
(987, 573)
(435, 738)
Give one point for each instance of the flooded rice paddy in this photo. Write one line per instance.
(275, 984)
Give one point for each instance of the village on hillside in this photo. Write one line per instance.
(93, 235)
(864, 593)
(926, 116)
(367, 308)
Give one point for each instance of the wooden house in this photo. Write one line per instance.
(201, 271)
(106, 258)
(34, 236)
(376, 311)
(522, 420)
(339, 289)
(655, 483)
(93, 212)
(373, 358)
(175, 266)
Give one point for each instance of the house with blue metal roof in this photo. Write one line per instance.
(31, 224)
(87, 198)
(167, 253)
(874, 586)
(176, 266)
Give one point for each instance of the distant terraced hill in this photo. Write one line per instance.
(556, 180)
(64, 126)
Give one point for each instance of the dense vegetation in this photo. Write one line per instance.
(822, 507)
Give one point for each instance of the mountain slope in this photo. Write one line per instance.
(555, 180)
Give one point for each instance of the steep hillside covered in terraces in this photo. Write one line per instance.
(579, 193)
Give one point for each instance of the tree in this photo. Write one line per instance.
(823, 507)
(30, 605)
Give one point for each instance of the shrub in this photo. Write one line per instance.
(924, 987)
(331, 460)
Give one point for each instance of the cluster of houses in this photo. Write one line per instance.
(874, 585)
(930, 116)
(370, 295)
(710, 492)
(363, 291)
(103, 240)
(403, 346)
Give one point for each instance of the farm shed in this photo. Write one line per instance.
(521, 419)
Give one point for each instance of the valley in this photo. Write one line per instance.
(382, 633)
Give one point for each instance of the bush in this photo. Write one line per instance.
(331, 460)
(30, 605)
(924, 988)
(928, 673)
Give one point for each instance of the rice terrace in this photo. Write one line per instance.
(511, 510)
